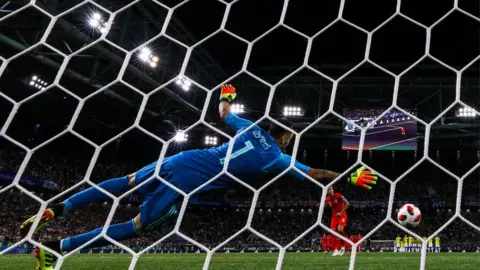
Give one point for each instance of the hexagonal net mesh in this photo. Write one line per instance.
(104, 28)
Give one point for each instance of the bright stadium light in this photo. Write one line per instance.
(183, 83)
(96, 21)
(466, 112)
(181, 136)
(292, 111)
(146, 55)
(97, 16)
(36, 82)
(211, 140)
(93, 23)
(237, 108)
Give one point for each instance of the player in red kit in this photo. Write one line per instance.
(324, 243)
(351, 238)
(359, 237)
(329, 243)
(403, 130)
(339, 205)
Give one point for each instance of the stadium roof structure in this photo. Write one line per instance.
(428, 88)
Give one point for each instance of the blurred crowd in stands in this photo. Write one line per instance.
(284, 211)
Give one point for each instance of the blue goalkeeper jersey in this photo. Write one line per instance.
(254, 152)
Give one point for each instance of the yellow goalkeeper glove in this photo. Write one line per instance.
(228, 93)
(361, 178)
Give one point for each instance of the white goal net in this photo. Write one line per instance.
(102, 26)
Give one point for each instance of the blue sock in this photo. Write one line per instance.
(92, 195)
(118, 232)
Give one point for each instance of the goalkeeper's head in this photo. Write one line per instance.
(281, 135)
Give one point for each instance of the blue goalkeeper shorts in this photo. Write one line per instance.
(160, 202)
(181, 171)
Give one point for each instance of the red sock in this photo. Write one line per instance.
(333, 242)
(336, 243)
(341, 243)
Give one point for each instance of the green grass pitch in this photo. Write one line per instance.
(304, 261)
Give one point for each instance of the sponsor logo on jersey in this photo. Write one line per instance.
(261, 139)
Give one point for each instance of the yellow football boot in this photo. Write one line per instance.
(47, 217)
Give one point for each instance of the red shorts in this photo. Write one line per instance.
(341, 220)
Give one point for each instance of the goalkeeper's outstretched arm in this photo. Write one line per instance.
(359, 178)
(224, 109)
(227, 95)
(322, 175)
(236, 123)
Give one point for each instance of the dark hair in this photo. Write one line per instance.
(277, 131)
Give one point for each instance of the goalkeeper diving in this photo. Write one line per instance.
(256, 151)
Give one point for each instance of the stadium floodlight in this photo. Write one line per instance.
(96, 21)
(181, 136)
(36, 82)
(97, 16)
(184, 83)
(292, 111)
(93, 23)
(146, 55)
(211, 140)
(466, 112)
(237, 108)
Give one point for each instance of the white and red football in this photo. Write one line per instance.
(409, 215)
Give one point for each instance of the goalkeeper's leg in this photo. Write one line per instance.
(91, 195)
(155, 210)
(122, 231)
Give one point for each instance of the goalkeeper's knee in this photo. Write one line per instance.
(138, 224)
